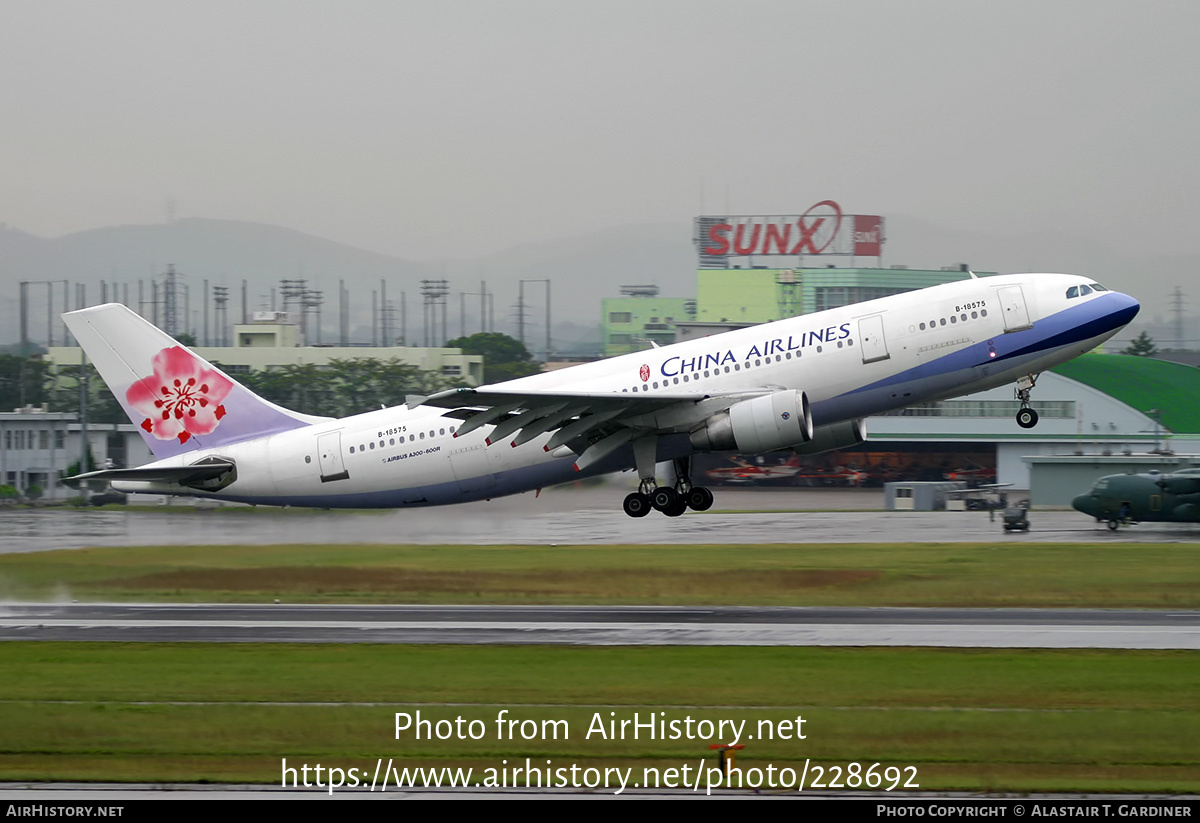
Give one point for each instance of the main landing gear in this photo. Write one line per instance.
(671, 501)
(1027, 418)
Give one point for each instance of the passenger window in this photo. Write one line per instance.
(1072, 292)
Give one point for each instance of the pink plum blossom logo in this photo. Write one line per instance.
(182, 399)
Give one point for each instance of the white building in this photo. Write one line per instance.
(37, 446)
(264, 345)
(1109, 406)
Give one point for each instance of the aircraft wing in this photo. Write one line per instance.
(594, 424)
(981, 488)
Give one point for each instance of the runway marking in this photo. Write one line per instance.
(1021, 635)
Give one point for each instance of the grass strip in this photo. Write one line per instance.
(967, 719)
(904, 574)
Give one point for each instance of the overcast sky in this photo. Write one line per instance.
(455, 128)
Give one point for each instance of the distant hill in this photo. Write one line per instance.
(582, 269)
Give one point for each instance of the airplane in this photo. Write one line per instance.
(804, 383)
(1123, 498)
(745, 473)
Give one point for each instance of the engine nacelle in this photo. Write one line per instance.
(836, 436)
(774, 421)
(1179, 484)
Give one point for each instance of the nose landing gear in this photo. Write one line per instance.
(1027, 418)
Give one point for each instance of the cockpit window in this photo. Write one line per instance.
(1084, 290)
(1072, 292)
(1098, 287)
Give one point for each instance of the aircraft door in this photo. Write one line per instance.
(1012, 303)
(871, 339)
(329, 457)
(472, 469)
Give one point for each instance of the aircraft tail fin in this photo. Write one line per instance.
(179, 401)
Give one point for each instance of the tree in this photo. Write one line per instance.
(22, 382)
(1142, 346)
(342, 387)
(62, 395)
(504, 357)
(300, 387)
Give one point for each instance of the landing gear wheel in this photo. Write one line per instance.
(1112, 525)
(637, 505)
(678, 508)
(1027, 418)
(699, 499)
(664, 498)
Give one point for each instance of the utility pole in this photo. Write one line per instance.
(221, 313)
(83, 427)
(434, 292)
(521, 312)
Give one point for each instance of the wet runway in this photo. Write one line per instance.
(606, 625)
(565, 516)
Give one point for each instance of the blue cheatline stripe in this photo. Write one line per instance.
(1077, 323)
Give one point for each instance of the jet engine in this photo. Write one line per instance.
(835, 436)
(774, 421)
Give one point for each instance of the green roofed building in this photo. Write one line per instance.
(1169, 392)
(640, 316)
(758, 295)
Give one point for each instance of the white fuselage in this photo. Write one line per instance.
(852, 362)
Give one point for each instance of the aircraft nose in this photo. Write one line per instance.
(1085, 503)
(1123, 309)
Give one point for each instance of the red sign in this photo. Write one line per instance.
(823, 229)
(644, 372)
(868, 235)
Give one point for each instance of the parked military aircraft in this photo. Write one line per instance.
(1120, 499)
(804, 382)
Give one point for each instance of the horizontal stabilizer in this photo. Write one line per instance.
(185, 475)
